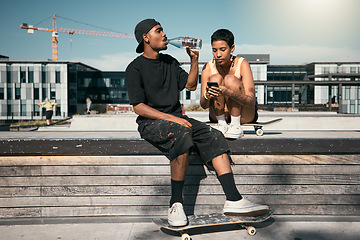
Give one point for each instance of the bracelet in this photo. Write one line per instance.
(205, 96)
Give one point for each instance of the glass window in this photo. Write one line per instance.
(23, 109)
(347, 93)
(58, 110)
(43, 77)
(8, 75)
(52, 93)
(30, 76)
(22, 76)
(9, 93)
(57, 77)
(352, 108)
(36, 93)
(9, 110)
(2, 95)
(44, 93)
(17, 93)
(36, 110)
(188, 94)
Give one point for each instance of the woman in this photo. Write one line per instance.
(233, 100)
(48, 105)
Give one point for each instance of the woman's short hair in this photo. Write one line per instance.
(224, 35)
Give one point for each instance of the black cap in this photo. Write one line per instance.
(142, 28)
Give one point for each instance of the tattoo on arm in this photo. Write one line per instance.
(242, 99)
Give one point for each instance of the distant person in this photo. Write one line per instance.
(182, 109)
(88, 106)
(233, 101)
(48, 105)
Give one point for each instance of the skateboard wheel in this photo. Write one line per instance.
(259, 132)
(185, 236)
(251, 231)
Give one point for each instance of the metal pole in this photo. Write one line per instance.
(329, 100)
(340, 98)
(293, 95)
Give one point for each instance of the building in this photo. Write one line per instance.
(24, 84)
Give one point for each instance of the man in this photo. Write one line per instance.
(154, 81)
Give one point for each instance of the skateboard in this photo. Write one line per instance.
(214, 219)
(259, 125)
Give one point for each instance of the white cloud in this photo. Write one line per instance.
(289, 54)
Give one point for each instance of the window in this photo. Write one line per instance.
(2, 95)
(43, 77)
(52, 93)
(9, 110)
(22, 75)
(44, 93)
(23, 109)
(9, 93)
(58, 110)
(36, 93)
(17, 93)
(30, 75)
(188, 94)
(8, 75)
(57, 77)
(352, 108)
(347, 93)
(36, 110)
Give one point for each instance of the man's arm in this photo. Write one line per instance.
(146, 111)
(193, 77)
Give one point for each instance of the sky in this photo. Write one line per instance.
(291, 31)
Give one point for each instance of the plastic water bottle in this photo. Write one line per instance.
(182, 42)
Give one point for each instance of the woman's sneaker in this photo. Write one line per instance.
(234, 131)
(176, 215)
(244, 207)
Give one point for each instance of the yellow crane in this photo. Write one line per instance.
(55, 32)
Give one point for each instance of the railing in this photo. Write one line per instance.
(329, 84)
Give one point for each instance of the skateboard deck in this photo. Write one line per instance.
(259, 125)
(213, 219)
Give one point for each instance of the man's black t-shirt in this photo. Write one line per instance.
(156, 82)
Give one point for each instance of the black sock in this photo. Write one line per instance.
(228, 184)
(176, 191)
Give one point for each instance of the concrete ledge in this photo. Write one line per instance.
(103, 147)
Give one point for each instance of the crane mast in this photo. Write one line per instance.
(55, 32)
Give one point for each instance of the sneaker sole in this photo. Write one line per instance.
(232, 136)
(248, 214)
(177, 224)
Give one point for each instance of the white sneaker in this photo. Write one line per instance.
(221, 127)
(244, 207)
(234, 131)
(176, 215)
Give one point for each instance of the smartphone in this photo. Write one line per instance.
(212, 84)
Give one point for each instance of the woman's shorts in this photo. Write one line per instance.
(49, 114)
(173, 139)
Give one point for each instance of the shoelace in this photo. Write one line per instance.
(173, 209)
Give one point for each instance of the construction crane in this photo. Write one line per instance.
(55, 32)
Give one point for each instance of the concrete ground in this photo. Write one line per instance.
(278, 227)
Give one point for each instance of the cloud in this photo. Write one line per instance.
(287, 54)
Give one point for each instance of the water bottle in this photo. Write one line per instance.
(182, 42)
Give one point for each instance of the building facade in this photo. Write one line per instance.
(24, 84)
